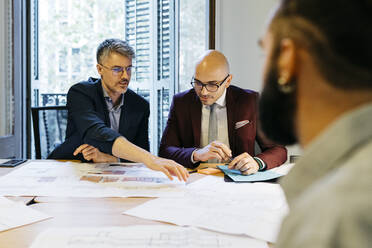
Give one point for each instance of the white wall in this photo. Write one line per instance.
(239, 25)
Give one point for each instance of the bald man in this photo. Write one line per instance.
(217, 122)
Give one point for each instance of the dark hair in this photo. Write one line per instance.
(114, 45)
(337, 33)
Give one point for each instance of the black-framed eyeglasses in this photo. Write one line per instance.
(117, 71)
(211, 86)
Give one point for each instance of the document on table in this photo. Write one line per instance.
(15, 214)
(140, 236)
(255, 209)
(283, 169)
(237, 176)
(66, 179)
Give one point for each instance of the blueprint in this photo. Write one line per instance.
(254, 209)
(161, 236)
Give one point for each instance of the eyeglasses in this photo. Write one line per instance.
(117, 71)
(210, 86)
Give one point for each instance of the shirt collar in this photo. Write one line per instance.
(107, 98)
(221, 102)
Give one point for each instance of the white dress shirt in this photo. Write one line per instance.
(222, 124)
(223, 133)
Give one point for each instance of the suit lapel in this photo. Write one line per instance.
(230, 117)
(195, 114)
(128, 112)
(102, 99)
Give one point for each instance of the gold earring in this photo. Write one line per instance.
(284, 85)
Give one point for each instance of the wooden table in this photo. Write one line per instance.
(77, 212)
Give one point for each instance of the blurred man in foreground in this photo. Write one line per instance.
(318, 91)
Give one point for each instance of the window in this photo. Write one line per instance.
(75, 60)
(62, 61)
(68, 33)
(193, 38)
(6, 72)
(137, 33)
(12, 75)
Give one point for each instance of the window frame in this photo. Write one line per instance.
(14, 145)
(172, 82)
(212, 24)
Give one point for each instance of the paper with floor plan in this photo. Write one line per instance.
(66, 179)
(15, 214)
(140, 236)
(254, 209)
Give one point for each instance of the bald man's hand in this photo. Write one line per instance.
(245, 163)
(215, 150)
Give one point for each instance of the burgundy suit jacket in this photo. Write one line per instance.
(181, 136)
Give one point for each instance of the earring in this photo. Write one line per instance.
(284, 86)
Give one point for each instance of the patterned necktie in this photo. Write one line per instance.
(212, 130)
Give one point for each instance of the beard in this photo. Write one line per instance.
(277, 109)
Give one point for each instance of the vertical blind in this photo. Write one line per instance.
(138, 35)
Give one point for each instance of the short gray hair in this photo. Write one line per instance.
(109, 46)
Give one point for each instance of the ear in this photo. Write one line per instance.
(99, 69)
(287, 60)
(228, 81)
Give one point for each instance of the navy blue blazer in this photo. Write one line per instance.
(89, 123)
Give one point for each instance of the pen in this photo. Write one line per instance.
(229, 161)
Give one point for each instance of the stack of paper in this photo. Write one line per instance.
(88, 180)
(254, 209)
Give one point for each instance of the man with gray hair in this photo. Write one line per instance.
(108, 121)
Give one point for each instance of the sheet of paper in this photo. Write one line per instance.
(254, 209)
(140, 236)
(283, 169)
(237, 176)
(51, 178)
(15, 214)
